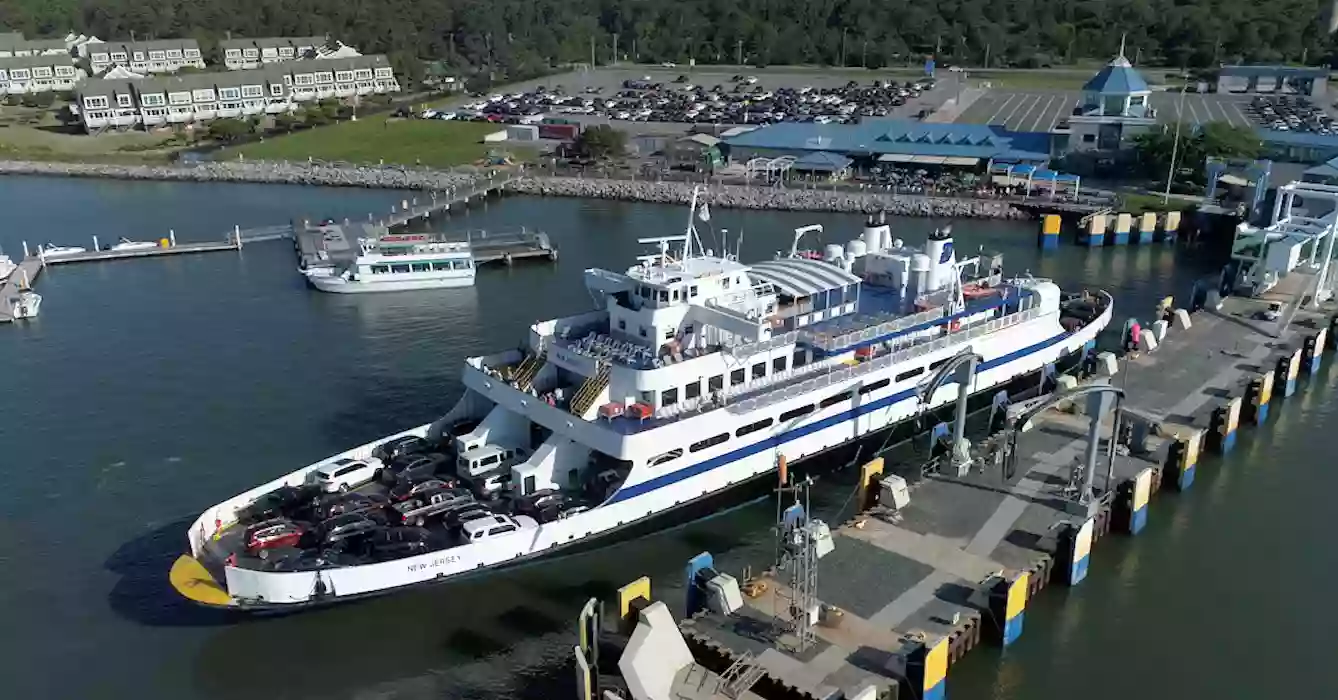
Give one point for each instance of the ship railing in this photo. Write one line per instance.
(726, 396)
(922, 348)
(776, 341)
(867, 328)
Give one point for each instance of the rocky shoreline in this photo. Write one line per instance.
(739, 197)
(392, 177)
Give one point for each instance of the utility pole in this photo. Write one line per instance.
(615, 49)
(863, 53)
(738, 52)
(636, 55)
(1175, 144)
(987, 54)
(843, 49)
(592, 52)
(938, 45)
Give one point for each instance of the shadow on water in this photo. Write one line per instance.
(143, 593)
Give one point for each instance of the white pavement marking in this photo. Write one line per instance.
(1244, 118)
(1060, 112)
(1044, 111)
(1027, 113)
(1000, 109)
(1015, 108)
(1192, 113)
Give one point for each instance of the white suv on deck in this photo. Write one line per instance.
(344, 474)
(480, 529)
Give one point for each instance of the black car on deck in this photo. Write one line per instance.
(391, 450)
(397, 543)
(412, 466)
(282, 502)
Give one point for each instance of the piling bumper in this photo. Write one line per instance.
(1131, 506)
(1075, 550)
(1288, 367)
(1049, 238)
(1222, 426)
(1008, 606)
(1258, 394)
(927, 668)
(1183, 458)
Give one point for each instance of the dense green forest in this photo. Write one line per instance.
(518, 37)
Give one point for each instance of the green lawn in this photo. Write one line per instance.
(374, 139)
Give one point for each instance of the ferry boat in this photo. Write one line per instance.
(694, 375)
(399, 262)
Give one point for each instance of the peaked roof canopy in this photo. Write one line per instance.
(1117, 78)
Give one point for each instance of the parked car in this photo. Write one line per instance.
(277, 503)
(495, 526)
(398, 542)
(393, 449)
(490, 485)
(465, 513)
(344, 474)
(411, 465)
(342, 528)
(272, 534)
(431, 505)
(405, 489)
(547, 505)
(332, 506)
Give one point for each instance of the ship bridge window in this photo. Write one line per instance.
(708, 442)
(870, 388)
(754, 427)
(795, 413)
(736, 377)
(669, 456)
(910, 373)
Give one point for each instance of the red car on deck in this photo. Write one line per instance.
(272, 534)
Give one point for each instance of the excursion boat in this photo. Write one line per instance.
(694, 375)
(51, 251)
(399, 262)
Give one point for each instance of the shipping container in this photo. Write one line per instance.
(522, 132)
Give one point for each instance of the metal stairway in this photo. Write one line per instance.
(594, 386)
(529, 369)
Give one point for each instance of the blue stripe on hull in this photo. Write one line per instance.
(804, 430)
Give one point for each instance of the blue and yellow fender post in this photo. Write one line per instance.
(1171, 227)
(1312, 351)
(696, 597)
(1075, 550)
(869, 475)
(631, 599)
(1131, 507)
(1257, 395)
(927, 668)
(1147, 227)
(1222, 426)
(1096, 231)
(1123, 222)
(1183, 459)
(1289, 366)
(1008, 606)
(1049, 238)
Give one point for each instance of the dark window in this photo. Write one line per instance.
(622, 324)
(1089, 138)
(759, 370)
(422, 267)
(939, 363)
(669, 334)
(501, 530)
(909, 373)
(708, 442)
(442, 266)
(736, 377)
(528, 485)
(666, 457)
(380, 269)
(833, 400)
(778, 364)
(795, 413)
(400, 269)
(715, 383)
(692, 291)
(800, 358)
(753, 427)
(870, 388)
(642, 329)
(669, 397)
(692, 390)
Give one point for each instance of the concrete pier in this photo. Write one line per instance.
(911, 587)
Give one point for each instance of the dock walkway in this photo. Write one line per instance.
(907, 593)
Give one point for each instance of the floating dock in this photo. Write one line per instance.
(946, 562)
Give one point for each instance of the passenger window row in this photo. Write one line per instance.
(669, 397)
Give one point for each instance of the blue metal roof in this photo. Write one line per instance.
(1117, 78)
(902, 136)
(1268, 71)
(822, 160)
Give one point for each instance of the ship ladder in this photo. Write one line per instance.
(589, 391)
(529, 369)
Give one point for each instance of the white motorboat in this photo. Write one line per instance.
(399, 262)
(691, 375)
(127, 244)
(7, 267)
(25, 304)
(52, 251)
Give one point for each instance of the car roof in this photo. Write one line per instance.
(473, 526)
(483, 451)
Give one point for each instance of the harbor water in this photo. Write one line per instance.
(151, 389)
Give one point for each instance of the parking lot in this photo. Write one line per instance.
(1041, 110)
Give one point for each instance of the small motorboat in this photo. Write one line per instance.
(127, 244)
(51, 251)
(25, 304)
(7, 267)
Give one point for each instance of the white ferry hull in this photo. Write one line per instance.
(339, 285)
(1024, 350)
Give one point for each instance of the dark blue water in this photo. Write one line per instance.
(151, 389)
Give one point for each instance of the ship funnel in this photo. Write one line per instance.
(942, 258)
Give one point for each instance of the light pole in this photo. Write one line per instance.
(1175, 143)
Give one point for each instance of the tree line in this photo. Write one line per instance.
(519, 38)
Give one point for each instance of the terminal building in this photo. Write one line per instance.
(1116, 107)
